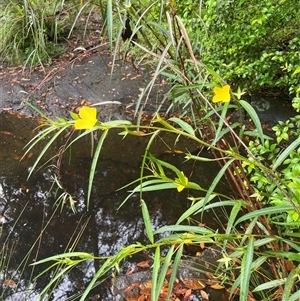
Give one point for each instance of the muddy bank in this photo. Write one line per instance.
(84, 78)
(93, 78)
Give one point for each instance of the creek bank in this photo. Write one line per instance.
(92, 78)
(88, 79)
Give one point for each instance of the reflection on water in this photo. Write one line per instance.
(35, 226)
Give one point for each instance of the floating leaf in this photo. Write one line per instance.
(9, 282)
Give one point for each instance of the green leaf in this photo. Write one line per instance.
(290, 283)
(156, 266)
(174, 270)
(249, 109)
(286, 153)
(184, 125)
(44, 150)
(219, 132)
(194, 208)
(269, 285)
(246, 270)
(74, 115)
(295, 296)
(163, 272)
(94, 164)
(147, 221)
(297, 71)
(184, 228)
(63, 256)
(233, 214)
(104, 268)
(109, 15)
(156, 187)
(264, 211)
(216, 180)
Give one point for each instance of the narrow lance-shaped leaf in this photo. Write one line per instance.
(246, 270)
(286, 153)
(290, 283)
(184, 125)
(163, 271)
(94, 164)
(147, 221)
(174, 270)
(249, 109)
(109, 16)
(156, 266)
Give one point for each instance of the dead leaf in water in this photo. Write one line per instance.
(193, 283)
(143, 264)
(9, 282)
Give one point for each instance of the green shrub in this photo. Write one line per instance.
(254, 43)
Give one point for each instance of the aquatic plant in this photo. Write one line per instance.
(258, 242)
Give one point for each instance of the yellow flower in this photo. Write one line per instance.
(222, 94)
(181, 182)
(88, 118)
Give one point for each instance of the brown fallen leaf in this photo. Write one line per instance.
(193, 283)
(143, 264)
(9, 282)
(217, 286)
(131, 287)
(204, 295)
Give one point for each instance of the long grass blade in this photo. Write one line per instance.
(184, 125)
(269, 285)
(216, 180)
(295, 296)
(105, 267)
(194, 208)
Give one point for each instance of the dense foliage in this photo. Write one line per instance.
(254, 42)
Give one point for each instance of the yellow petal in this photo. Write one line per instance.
(88, 118)
(87, 113)
(222, 94)
(84, 124)
(181, 183)
(180, 187)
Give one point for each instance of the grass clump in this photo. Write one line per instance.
(30, 30)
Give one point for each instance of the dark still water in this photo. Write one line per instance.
(35, 224)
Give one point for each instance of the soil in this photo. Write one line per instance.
(86, 74)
